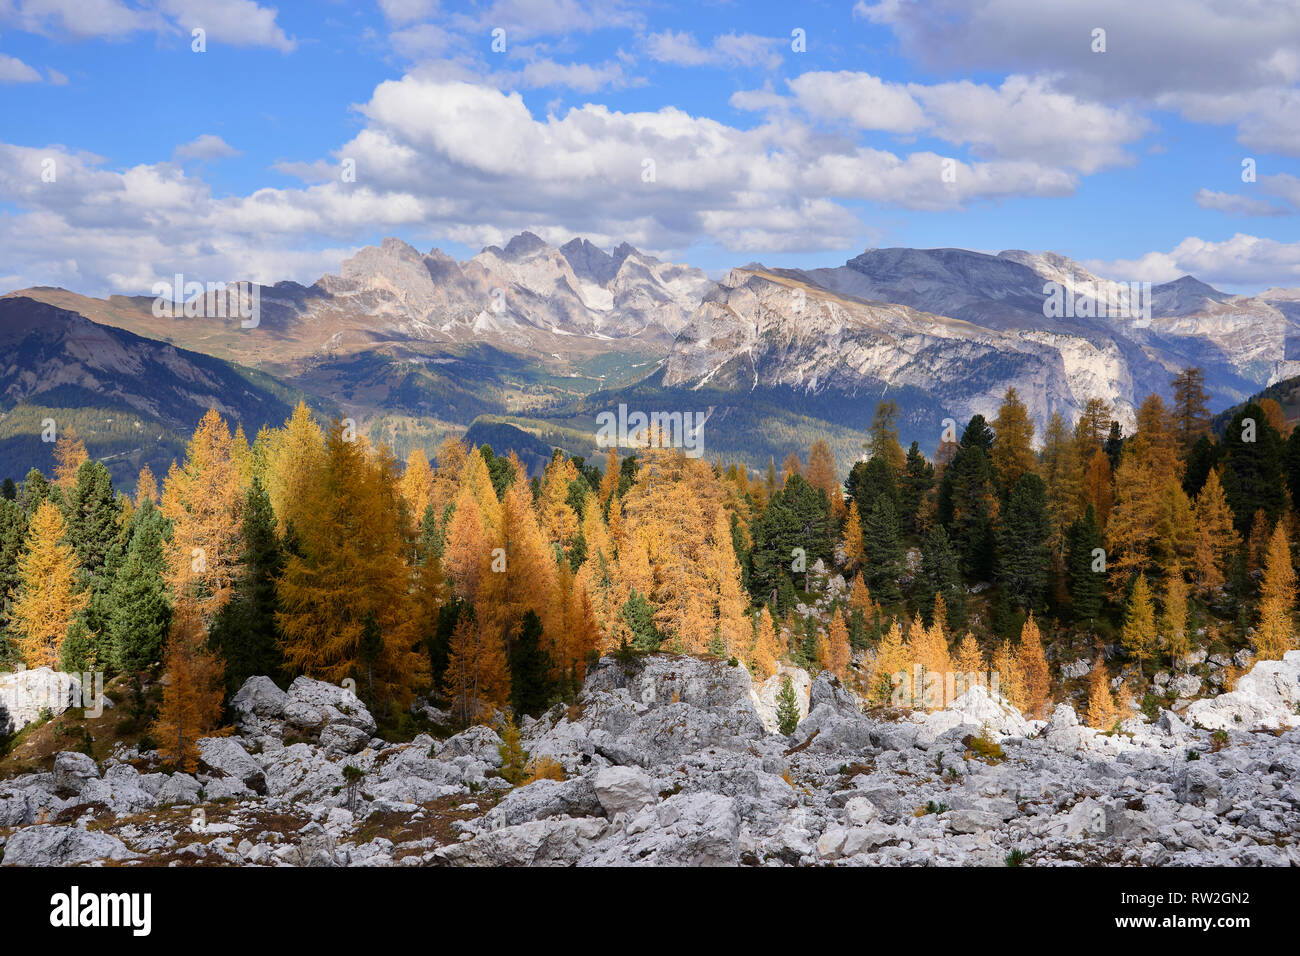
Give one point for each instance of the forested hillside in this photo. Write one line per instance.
(311, 551)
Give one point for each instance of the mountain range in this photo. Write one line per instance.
(529, 342)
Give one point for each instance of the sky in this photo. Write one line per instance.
(230, 139)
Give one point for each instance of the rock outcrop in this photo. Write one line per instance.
(666, 761)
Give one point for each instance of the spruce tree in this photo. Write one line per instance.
(1253, 479)
(245, 630)
(787, 708)
(531, 687)
(139, 607)
(882, 543)
(1023, 553)
(1086, 585)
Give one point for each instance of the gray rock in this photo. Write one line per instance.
(27, 695)
(343, 739)
(226, 757)
(45, 845)
(312, 705)
(624, 790)
(545, 798)
(72, 770)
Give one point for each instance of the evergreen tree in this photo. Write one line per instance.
(1253, 477)
(139, 607)
(881, 541)
(916, 481)
(941, 576)
(639, 616)
(787, 708)
(1024, 555)
(1087, 586)
(245, 630)
(870, 479)
(1201, 459)
(531, 686)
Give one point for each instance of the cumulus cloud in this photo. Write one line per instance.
(1203, 58)
(1243, 260)
(728, 50)
(1235, 204)
(207, 146)
(1024, 118)
(236, 22)
(470, 162)
(14, 70)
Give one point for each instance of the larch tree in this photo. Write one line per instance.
(766, 650)
(1276, 633)
(1191, 407)
(353, 562)
(1012, 454)
(1032, 664)
(851, 543)
(839, 652)
(1173, 621)
(48, 596)
(890, 661)
(1102, 712)
(417, 483)
(204, 501)
(146, 487)
(69, 453)
(1011, 682)
(882, 436)
(1098, 487)
(295, 456)
(1138, 635)
(970, 659)
(821, 474)
(477, 679)
(1216, 536)
(192, 689)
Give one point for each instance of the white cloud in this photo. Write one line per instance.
(408, 11)
(236, 22)
(14, 70)
(1235, 204)
(1024, 119)
(731, 49)
(207, 146)
(449, 158)
(1242, 260)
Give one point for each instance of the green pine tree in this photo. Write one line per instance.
(787, 708)
(139, 612)
(245, 630)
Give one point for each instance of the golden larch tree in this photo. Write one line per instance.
(839, 651)
(48, 595)
(1138, 635)
(1276, 633)
(69, 453)
(204, 499)
(1012, 454)
(852, 540)
(1102, 712)
(192, 689)
(295, 456)
(354, 567)
(477, 679)
(1032, 665)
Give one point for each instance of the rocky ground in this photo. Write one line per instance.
(675, 761)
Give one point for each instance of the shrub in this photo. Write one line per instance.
(542, 768)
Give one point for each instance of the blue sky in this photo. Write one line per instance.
(226, 163)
